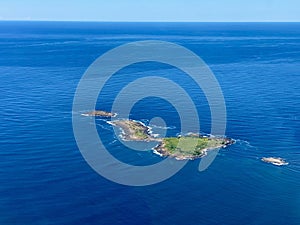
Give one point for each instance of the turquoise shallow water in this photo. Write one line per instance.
(45, 180)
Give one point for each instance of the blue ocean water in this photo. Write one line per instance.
(45, 180)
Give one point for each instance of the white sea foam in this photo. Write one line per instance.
(163, 127)
(156, 152)
(155, 135)
(111, 123)
(114, 141)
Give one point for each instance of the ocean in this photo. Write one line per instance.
(44, 179)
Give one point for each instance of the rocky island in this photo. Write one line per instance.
(133, 130)
(99, 113)
(275, 161)
(190, 147)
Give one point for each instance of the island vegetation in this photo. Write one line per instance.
(191, 146)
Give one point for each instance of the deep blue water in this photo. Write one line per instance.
(45, 180)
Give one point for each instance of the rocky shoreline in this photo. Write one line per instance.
(133, 130)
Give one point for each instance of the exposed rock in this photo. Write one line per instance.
(274, 160)
(99, 113)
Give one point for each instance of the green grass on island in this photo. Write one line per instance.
(190, 145)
